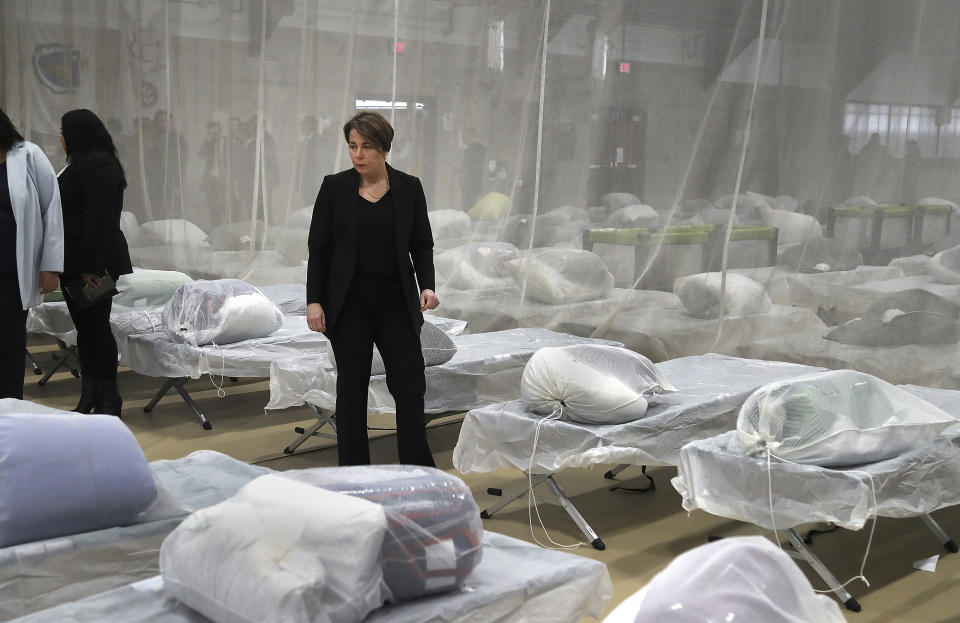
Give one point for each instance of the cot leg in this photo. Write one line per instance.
(578, 519)
(323, 418)
(510, 497)
(940, 533)
(848, 600)
(64, 357)
(611, 474)
(160, 394)
(178, 385)
(33, 363)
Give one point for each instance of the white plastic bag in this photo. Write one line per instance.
(556, 276)
(737, 579)
(222, 311)
(700, 295)
(615, 201)
(279, 550)
(836, 418)
(593, 384)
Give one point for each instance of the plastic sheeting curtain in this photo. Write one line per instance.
(530, 123)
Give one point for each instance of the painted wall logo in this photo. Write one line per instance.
(58, 67)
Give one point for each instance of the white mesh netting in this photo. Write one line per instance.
(809, 146)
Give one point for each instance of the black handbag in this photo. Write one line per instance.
(84, 295)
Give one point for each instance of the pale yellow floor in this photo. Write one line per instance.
(643, 532)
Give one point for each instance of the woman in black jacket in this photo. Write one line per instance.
(369, 277)
(91, 191)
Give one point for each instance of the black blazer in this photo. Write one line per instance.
(91, 192)
(333, 242)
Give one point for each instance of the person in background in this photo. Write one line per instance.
(911, 173)
(91, 188)
(370, 276)
(31, 246)
(213, 152)
(313, 151)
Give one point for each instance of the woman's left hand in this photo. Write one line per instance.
(428, 300)
(90, 280)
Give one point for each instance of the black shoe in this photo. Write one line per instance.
(108, 400)
(88, 396)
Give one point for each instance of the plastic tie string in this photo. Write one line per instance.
(532, 499)
(873, 525)
(221, 393)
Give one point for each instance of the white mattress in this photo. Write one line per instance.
(710, 390)
(515, 581)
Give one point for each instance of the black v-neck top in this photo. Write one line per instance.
(8, 227)
(377, 244)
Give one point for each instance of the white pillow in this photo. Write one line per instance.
(221, 311)
(145, 287)
(615, 201)
(279, 550)
(637, 215)
(557, 276)
(171, 231)
(129, 225)
(700, 295)
(836, 418)
(476, 266)
(593, 384)
(449, 224)
(944, 267)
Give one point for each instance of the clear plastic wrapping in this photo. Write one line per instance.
(222, 311)
(717, 477)
(700, 295)
(839, 417)
(279, 550)
(558, 276)
(434, 535)
(709, 392)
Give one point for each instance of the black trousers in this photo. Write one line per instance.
(374, 313)
(96, 346)
(13, 337)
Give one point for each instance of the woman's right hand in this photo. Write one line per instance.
(316, 319)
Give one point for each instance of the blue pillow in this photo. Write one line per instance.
(62, 474)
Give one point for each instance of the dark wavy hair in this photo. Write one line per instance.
(83, 133)
(9, 135)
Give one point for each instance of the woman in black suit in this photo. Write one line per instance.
(369, 277)
(91, 190)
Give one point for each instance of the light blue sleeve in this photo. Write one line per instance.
(48, 193)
